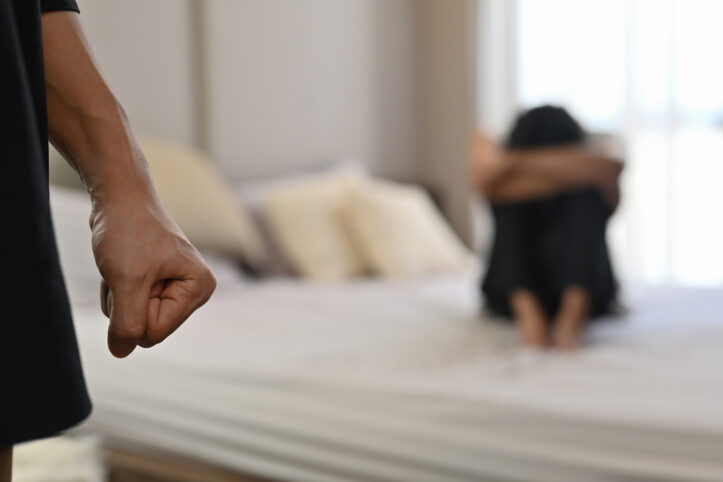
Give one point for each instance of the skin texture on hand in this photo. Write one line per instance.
(153, 278)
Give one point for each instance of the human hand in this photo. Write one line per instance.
(153, 278)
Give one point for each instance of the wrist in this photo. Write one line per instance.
(117, 183)
(118, 171)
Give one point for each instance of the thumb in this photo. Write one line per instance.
(128, 307)
(177, 302)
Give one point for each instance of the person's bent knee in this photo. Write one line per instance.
(585, 206)
(587, 196)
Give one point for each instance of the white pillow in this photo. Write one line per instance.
(252, 194)
(305, 218)
(201, 203)
(400, 232)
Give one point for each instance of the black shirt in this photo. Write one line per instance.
(41, 383)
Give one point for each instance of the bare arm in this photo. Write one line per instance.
(516, 175)
(153, 278)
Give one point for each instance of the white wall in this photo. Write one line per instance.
(267, 86)
(144, 48)
(293, 84)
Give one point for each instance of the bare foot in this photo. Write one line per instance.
(570, 320)
(531, 318)
(566, 334)
(533, 332)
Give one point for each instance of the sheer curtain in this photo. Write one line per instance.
(649, 70)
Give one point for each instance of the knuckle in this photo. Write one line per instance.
(205, 284)
(206, 287)
(211, 282)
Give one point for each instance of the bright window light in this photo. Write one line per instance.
(648, 70)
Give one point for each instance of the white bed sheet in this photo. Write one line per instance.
(374, 380)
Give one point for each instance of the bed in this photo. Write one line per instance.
(371, 380)
(405, 381)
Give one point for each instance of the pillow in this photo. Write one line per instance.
(253, 194)
(201, 203)
(304, 218)
(400, 232)
(276, 263)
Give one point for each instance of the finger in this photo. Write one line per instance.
(104, 290)
(128, 317)
(179, 299)
(154, 306)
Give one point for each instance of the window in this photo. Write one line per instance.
(648, 70)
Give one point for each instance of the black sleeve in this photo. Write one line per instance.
(56, 5)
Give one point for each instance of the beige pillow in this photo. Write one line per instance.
(201, 203)
(400, 232)
(305, 218)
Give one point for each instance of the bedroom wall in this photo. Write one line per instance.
(292, 84)
(268, 87)
(143, 48)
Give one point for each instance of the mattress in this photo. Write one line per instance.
(407, 381)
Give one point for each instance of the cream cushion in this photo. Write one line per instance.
(305, 219)
(400, 232)
(201, 203)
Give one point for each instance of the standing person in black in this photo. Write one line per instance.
(153, 278)
(552, 192)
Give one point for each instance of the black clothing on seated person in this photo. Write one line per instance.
(550, 244)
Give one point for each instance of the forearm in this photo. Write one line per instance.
(543, 172)
(86, 123)
(522, 187)
(567, 167)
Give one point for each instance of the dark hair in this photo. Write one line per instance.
(543, 127)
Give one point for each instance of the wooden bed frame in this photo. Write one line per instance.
(156, 466)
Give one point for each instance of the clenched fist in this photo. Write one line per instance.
(153, 278)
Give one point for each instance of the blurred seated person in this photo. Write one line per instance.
(552, 189)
